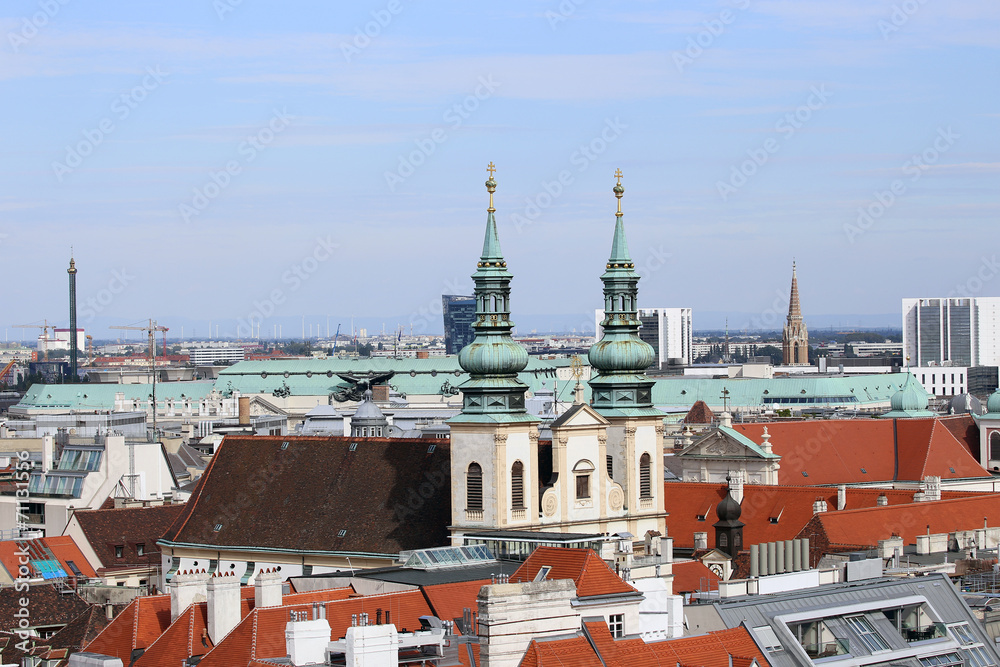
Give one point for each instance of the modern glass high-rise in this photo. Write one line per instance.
(963, 331)
(459, 313)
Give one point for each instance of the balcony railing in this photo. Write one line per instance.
(920, 633)
(518, 514)
(473, 515)
(826, 649)
(645, 503)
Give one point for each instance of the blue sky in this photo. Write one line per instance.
(214, 160)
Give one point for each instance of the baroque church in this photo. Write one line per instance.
(602, 471)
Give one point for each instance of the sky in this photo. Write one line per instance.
(239, 161)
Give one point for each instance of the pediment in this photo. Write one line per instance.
(259, 406)
(720, 445)
(580, 415)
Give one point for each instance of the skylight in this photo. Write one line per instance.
(429, 559)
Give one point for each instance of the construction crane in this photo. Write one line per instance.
(45, 334)
(151, 329)
(6, 369)
(335, 338)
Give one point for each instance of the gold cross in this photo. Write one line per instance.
(618, 175)
(491, 169)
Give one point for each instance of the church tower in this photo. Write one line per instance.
(795, 338)
(494, 441)
(630, 452)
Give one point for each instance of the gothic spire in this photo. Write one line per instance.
(794, 310)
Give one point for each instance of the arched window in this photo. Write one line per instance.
(517, 486)
(582, 471)
(995, 446)
(645, 480)
(474, 487)
(723, 540)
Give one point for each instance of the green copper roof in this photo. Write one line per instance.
(491, 244)
(619, 245)
(909, 401)
(92, 396)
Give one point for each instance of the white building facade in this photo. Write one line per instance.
(668, 330)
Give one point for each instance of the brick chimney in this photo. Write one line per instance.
(380, 393)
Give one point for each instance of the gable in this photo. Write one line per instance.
(719, 444)
(580, 415)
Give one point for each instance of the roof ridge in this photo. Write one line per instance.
(194, 502)
(927, 452)
(924, 503)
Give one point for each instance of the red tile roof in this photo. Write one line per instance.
(836, 451)
(448, 601)
(770, 512)
(138, 625)
(62, 547)
(591, 574)
(699, 413)
(692, 576)
(127, 527)
(863, 528)
(597, 648)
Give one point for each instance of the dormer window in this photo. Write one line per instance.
(119, 551)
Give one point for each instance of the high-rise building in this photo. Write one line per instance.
(459, 313)
(795, 337)
(963, 331)
(667, 330)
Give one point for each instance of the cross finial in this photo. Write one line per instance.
(618, 175)
(619, 191)
(491, 185)
(490, 168)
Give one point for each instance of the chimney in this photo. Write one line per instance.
(509, 617)
(223, 605)
(109, 610)
(306, 641)
(48, 447)
(380, 393)
(423, 354)
(841, 497)
(819, 506)
(244, 410)
(73, 352)
(186, 588)
(726, 419)
(932, 487)
(882, 500)
(267, 589)
(701, 540)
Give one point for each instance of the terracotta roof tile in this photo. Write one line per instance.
(317, 487)
(127, 527)
(62, 547)
(81, 630)
(591, 574)
(699, 413)
(790, 506)
(846, 451)
(47, 607)
(448, 601)
(693, 576)
(138, 625)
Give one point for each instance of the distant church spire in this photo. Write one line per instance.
(493, 393)
(795, 337)
(621, 387)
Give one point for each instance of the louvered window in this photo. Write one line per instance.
(611, 466)
(474, 487)
(645, 481)
(517, 486)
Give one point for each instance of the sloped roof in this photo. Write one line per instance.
(448, 601)
(865, 527)
(138, 625)
(62, 547)
(692, 576)
(770, 513)
(595, 646)
(46, 606)
(699, 413)
(102, 396)
(81, 630)
(965, 428)
(128, 527)
(590, 573)
(850, 451)
(316, 487)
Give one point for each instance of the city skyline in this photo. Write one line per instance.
(240, 157)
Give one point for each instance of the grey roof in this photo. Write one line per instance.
(450, 575)
(866, 598)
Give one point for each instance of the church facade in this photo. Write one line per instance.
(602, 472)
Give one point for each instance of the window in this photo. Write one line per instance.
(140, 550)
(645, 481)
(723, 540)
(611, 466)
(582, 470)
(978, 657)
(766, 638)
(616, 624)
(995, 446)
(945, 660)
(474, 487)
(517, 486)
(119, 551)
(871, 639)
(963, 634)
